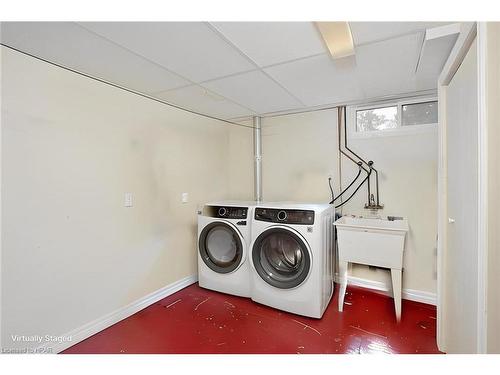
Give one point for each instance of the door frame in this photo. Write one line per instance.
(468, 33)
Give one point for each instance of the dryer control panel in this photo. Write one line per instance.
(229, 212)
(285, 216)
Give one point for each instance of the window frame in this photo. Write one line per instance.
(400, 129)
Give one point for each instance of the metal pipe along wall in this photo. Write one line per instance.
(257, 150)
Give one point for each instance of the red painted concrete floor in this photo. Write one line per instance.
(195, 320)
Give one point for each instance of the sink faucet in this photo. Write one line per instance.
(373, 210)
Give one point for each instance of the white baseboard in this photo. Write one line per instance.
(409, 294)
(89, 329)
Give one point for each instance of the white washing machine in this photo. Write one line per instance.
(292, 257)
(224, 230)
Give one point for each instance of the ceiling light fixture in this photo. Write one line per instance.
(337, 37)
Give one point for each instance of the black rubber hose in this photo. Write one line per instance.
(331, 189)
(355, 191)
(352, 182)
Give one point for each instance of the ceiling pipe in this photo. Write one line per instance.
(373, 200)
(257, 151)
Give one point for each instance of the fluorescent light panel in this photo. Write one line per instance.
(337, 37)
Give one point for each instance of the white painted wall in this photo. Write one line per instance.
(493, 118)
(300, 151)
(71, 148)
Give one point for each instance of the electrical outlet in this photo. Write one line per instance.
(128, 200)
(185, 198)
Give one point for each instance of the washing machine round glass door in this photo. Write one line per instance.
(221, 247)
(281, 258)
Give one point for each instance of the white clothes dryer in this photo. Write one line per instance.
(224, 231)
(292, 257)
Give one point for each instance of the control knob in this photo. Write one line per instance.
(282, 215)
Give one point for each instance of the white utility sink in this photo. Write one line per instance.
(396, 224)
(375, 242)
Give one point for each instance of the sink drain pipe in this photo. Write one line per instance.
(257, 152)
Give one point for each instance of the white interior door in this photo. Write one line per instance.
(460, 318)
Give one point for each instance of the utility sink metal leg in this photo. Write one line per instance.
(396, 275)
(343, 283)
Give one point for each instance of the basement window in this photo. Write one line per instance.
(405, 116)
(419, 113)
(377, 119)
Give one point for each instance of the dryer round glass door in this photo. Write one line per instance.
(221, 247)
(281, 258)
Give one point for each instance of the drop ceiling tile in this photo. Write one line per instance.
(435, 52)
(200, 100)
(191, 49)
(70, 45)
(388, 67)
(319, 80)
(269, 43)
(254, 90)
(367, 32)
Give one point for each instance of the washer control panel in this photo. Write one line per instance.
(230, 212)
(285, 216)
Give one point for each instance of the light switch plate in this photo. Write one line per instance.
(185, 197)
